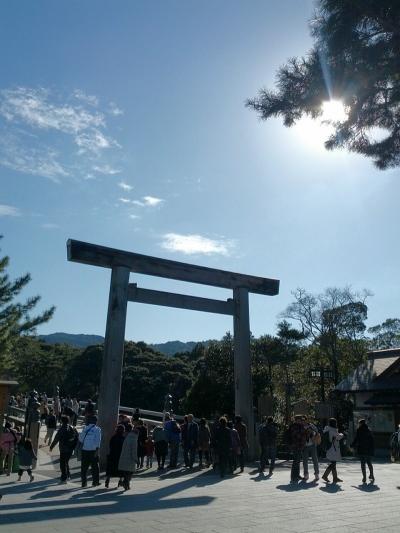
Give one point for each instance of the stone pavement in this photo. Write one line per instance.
(181, 501)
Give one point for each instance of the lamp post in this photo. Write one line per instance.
(322, 373)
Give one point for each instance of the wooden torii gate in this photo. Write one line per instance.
(122, 264)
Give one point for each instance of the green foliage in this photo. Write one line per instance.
(15, 317)
(385, 335)
(355, 59)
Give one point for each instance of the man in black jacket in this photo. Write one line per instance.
(267, 434)
(66, 438)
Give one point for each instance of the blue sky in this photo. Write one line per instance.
(124, 124)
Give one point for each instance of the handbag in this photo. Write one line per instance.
(79, 446)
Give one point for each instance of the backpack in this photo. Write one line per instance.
(317, 438)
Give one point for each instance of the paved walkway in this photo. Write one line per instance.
(179, 501)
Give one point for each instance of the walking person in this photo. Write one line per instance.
(149, 448)
(192, 439)
(204, 440)
(128, 458)
(8, 445)
(333, 450)
(236, 448)
(75, 409)
(160, 445)
(51, 425)
(27, 457)
(313, 438)
(89, 411)
(267, 435)
(90, 438)
(297, 442)
(223, 445)
(174, 436)
(364, 445)
(241, 428)
(66, 438)
(115, 448)
(141, 446)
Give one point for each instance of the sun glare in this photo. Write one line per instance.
(314, 132)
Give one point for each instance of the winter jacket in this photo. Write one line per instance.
(223, 440)
(333, 451)
(364, 441)
(297, 435)
(204, 438)
(8, 441)
(128, 457)
(159, 434)
(267, 434)
(242, 430)
(173, 431)
(26, 457)
(67, 438)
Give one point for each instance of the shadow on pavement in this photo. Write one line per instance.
(102, 501)
(367, 488)
(332, 488)
(293, 487)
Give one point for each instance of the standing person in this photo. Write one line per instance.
(204, 442)
(116, 443)
(236, 448)
(75, 410)
(44, 411)
(89, 411)
(223, 445)
(192, 439)
(27, 456)
(149, 448)
(128, 457)
(310, 449)
(90, 438)
(333, 450)
(267, 435)
(8, 445)
(174, 436)
(141, 446)
(184, 440)
(297, 438)
(66, 438)
(244, 445)
(51, 425)
(160, 445)
(364, 444)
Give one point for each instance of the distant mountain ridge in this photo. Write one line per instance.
(81, 340)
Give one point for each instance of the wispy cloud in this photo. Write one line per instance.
(196, 244)
(50, 225)
(148, 201)
(125, 186)
(9, 211)
(133, 216)
(49, 129)
(125, 200)
(113, 109)
(106, 169)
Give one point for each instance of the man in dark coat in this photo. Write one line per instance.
(298, 438)
(267, 434)
(241, 428)
(223, 445)
(66, 438)
(192, 440)
(364, 444)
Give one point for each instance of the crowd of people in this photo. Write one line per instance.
(222, 445)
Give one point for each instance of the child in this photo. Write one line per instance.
(26, 458)
(149, 447)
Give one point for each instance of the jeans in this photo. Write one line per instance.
(306, 454)
(267, 453)
(174, 449)
(90, 458)
(64, 465)
(49, 435)
(295, 471)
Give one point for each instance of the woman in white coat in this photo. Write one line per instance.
(333, 450)
(128, 457)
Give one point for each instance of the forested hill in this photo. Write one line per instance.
(82, 341)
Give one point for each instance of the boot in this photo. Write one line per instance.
(336, 479)
(326, 473)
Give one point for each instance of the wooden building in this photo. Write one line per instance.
(374, 389)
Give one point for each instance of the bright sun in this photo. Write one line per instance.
(314, 132)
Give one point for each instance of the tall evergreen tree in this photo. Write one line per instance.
(15, 316)
(355, 59)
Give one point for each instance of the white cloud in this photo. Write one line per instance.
(134, 217)
(152, 201)
(87, 98)
(124, 200)
(115, 110)
(41, 121)
(196, 244)
(50, 225)
(106, 169)
(125, 186)
(9, 211)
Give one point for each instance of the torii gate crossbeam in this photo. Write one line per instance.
(122, 264)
